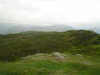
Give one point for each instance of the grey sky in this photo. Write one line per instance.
(49, 11)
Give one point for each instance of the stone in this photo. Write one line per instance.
(58, 55)
(78, 55)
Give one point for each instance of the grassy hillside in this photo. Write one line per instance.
(75, 52)
(14, 46)
(47, 64)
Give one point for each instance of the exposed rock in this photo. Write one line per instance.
(40, 54)
(78, 55)
(85, 62)
(58, 56)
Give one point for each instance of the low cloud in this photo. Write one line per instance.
(49, 11)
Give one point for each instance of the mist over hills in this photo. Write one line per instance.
(7, 29)
(16, 28)
(93, 27)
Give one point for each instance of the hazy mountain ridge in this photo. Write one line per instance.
(15, 28)
(93, 27)
(24, 28)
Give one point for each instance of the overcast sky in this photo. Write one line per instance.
(49, 11)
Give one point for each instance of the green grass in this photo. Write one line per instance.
(47, 65)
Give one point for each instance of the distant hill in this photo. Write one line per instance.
(58, 28)
(8, 29)
(13, 46)
(4, 28)
(94, 27)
